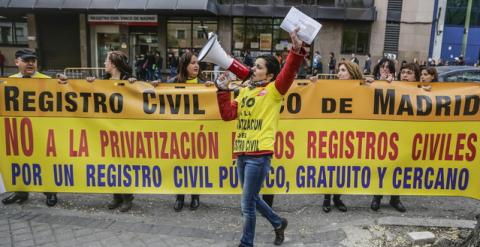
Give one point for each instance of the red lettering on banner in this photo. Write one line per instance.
(350, 144)
(393, 154)
(370, 145)
(82, 146)
(174, 146)
(322, 144)
(289, 142)
(311, 144)
(140, 152)
(103, 142)
(471, 139)
(11, 136)
(459, 146)
(159, 145)
(359, 136)
(51, 148)
(438, 146)
(26, 125)
(114, 143)
(284, 145)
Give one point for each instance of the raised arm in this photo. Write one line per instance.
(227, 107)
(294, 60)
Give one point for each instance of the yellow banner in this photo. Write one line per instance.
(334, 137)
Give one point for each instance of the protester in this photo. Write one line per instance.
(157, 66)
(346, 71)
(368, 65)
(264, 101)
(188, 72)
(354, 59)
(409, 72)
(172, 65)
(440, 62)
(117, 68)
(317, 66)
(247, 59)
(2, 64)
(384, 70)
(332, 64)
(26, 62)
(427, 76)
(140, 71)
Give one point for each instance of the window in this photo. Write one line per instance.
(202, 28)
(259, 35)
(464, 76)
(13, 33)
(456, 12)
(355, 40)
(180, 33)
(187, 33)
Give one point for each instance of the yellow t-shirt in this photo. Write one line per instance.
(35, 75)
(192, 81)
(258, 112)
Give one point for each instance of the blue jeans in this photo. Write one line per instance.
(252, 171)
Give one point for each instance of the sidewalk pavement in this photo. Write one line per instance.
(83, 220)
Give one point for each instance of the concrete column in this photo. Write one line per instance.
(377, 35)
(438, 35)
(162, 38)
(225, 33)
(83, 40)
(32, 31)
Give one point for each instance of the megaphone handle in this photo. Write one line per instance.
(250, 73)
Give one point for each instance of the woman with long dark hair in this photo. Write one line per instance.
(117, 68)
(188, 72)
(260, 100)
(385, 70)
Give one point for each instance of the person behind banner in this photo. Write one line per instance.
(26, 61)
(385, 70)
(346, 71)
(427, 76)
(118, 68)
(188, 72)
(409, 72)
(254, 145)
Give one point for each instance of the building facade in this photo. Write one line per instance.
(78, 33)
(449, 29)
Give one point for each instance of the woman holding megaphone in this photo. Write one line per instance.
(259, 102)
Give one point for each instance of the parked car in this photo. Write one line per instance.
(458, 74)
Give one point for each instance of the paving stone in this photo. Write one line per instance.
(421, 238)
(419, 221)
(26, 243)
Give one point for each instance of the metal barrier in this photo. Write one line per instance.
(211, 75)
(82, 73)
(327, 76)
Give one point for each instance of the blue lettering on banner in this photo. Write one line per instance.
(192, 177)
(309, 176)
(118, 175)
(30, 174)
(429, 178)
